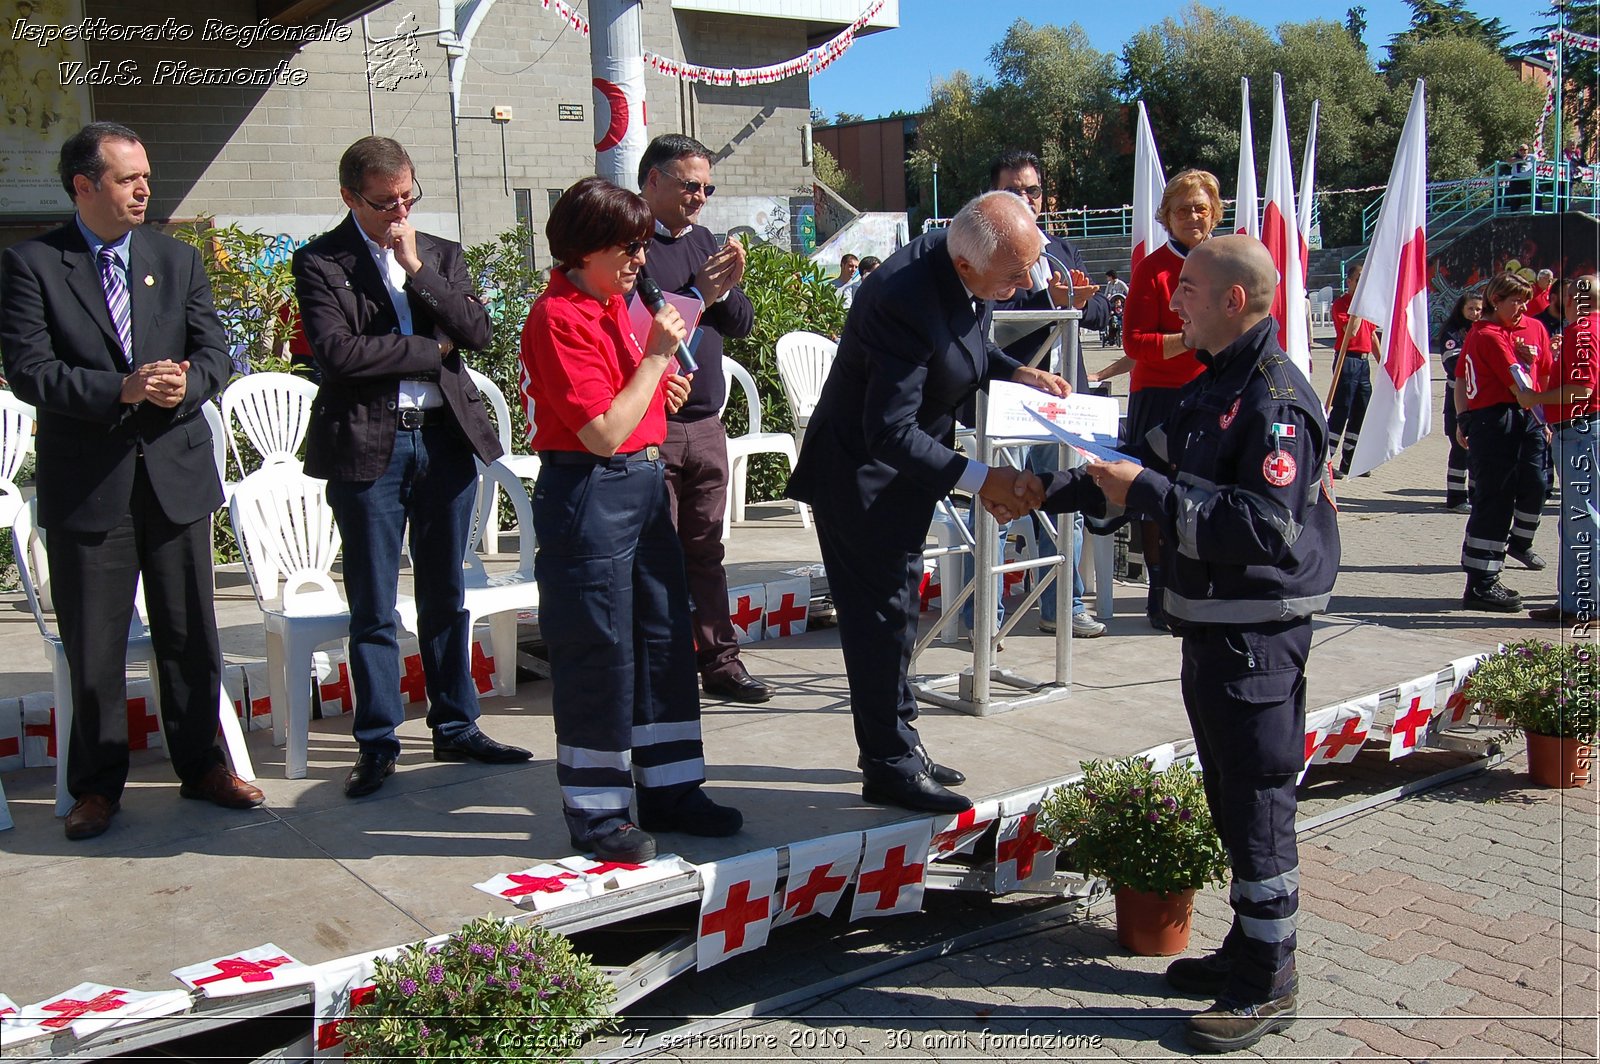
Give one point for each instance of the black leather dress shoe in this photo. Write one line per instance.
(737, 685)
(368, 775)
(919, 793)
(943, 775)
(696, 814)
(475, 746)
(627, 844)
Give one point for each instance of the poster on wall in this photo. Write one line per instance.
(44, 89)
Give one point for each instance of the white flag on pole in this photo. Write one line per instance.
(1149, 182)
(1246, 212)
(1281, 233)
(1308, 168)
(1393, 293)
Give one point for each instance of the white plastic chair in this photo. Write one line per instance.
(33, 569)
(754, 441)
(1322, 306)
(273, 410)
(288, 536)
(804, 359)
(520, 466)
(16, 443)
(500, 597)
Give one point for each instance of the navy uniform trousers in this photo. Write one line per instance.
(614, 610)
(1506, 450)
(1455, 474)
(1245, 692)
(1350, 403)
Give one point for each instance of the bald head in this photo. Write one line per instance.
(1226, 287)
(994, 242)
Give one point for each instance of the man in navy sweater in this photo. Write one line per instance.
(675, 180)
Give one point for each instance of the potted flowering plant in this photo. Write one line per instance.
(493, 990)
(1549, 690)
(1150, 834)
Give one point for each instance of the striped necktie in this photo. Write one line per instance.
(117, 301)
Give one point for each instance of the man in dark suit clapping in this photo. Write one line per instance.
(110, 331)
(394, 430)
(878, 456)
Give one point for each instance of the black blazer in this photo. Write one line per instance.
(62, 355)
(351, 325)
(879, 446)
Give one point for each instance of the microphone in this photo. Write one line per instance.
(650, 292)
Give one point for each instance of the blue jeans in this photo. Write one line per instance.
(432, 483)
(1577, 449)
(1044, 461)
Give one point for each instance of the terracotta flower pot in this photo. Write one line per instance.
(1154, 925)
(1559, 762)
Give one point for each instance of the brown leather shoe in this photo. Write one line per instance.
(90, 816)
(221, 787)
(1230, 1025)
(1553, 613)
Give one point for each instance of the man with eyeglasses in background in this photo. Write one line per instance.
(675, 180)
(394, 429)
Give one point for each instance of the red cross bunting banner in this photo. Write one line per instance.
(257, 695)
(788, 602)
(614, 875)
(819, 872)
(1149, 182)
(894, 865)
(1335, 734)
(544, 886)
(747, 609)
(11, 735)
(90, 1008)
(958, 834)
(736, 904)
(337, 987)
(247, 972)
(1413, 716)
(1021, 854)
(1456, 707)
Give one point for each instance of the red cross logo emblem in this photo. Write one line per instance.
(966, 826)
(1353, 733)
(1051, 409)
(786, 614)
(803, 898)
(602, 867)
(745, 614)
(238, 968)
(735, 916)
(1022, 849)
(1456, 706)
(1227, 419)
(526, 884)
(71, 1008)
(1413, 723)
(1278, 469)
(887, 882)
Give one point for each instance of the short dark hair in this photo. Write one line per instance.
(868, 264)
(666, 148)
(592, 215)
(851, 257)
(377, 155)
(1013, 159)
(1111, 273)
(81, 153)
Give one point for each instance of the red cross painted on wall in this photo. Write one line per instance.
(1352, 733)
(482, 669)
(732, 920)
(745, 614)
(786, 614)
(1022, 849)
(141, 724)
(71, 1008)
(802, 899)
(414, 684)
(1413, 723)
(886, 882)
(249, 971)
(526, 884)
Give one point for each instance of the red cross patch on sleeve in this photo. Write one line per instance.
(1278, 468)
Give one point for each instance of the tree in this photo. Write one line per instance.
(960, 136)
(1355, 24)
(1478, 110)
(830, 173)
(1435, 19)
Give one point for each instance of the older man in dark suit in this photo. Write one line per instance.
(879, 455)
(109, 330)
(394, 430)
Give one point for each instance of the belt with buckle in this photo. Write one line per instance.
(651, 453)
(413, 418)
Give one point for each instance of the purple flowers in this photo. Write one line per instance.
(1185, 815)
(435, 975)
(1153, 816)
(1170, 803)
(408, 987)
(422, 1030)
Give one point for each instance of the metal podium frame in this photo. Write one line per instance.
(972, 689)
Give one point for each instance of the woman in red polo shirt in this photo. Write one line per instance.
(613, 600)
(1152, 335)
(1506, 359)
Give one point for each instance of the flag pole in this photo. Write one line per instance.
(1338, 359)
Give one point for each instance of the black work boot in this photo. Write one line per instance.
(1230, 1025)
(1205, 976)
(1491, 597)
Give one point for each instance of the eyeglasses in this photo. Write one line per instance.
(394, 205)
(633, 247)
(1028, 191)
(693, 188)
(1198, 210)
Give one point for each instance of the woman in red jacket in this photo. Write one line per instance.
(1152, 335)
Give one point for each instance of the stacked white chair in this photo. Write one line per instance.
(804, 360)
(752, 442)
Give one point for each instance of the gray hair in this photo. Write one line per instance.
(980, 226)
(1547, 275)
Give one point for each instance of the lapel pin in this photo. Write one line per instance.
(149, 281)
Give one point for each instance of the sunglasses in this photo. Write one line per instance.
(693, 188)
(1028, 191)
(394, 205)
(633, 247)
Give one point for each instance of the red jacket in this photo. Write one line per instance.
(1148, 315)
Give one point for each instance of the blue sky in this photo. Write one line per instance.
(892, 69)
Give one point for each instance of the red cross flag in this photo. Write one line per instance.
(736, 903)
(1246, 214)
(1393, 293)
(1280, 231)
(615, 875)
(1413, 716)
(1318, 724)
(958, 834)
(1456, 706)
(893, 867)
(788, 600)
(819, 872)
(334, 692)
(247, 972)
(1149, 182)
(747, 606)
(337, 987)
(90, 1008)
(1022, 855)
(544, 886)
(11, 735)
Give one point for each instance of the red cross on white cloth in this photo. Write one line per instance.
(247, 972)
(819, 872)
(90, 1008)
(893, 870)
(736, 904)
(959, 833)
(746, 608)
(787, 602)
(337, 987)
(1022, 855)
(544, 886)
(1413, 714)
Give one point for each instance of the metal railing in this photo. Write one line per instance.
(1089, 222)
(1498, 190)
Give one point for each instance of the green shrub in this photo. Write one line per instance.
(508, 286)
(1541, 687)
